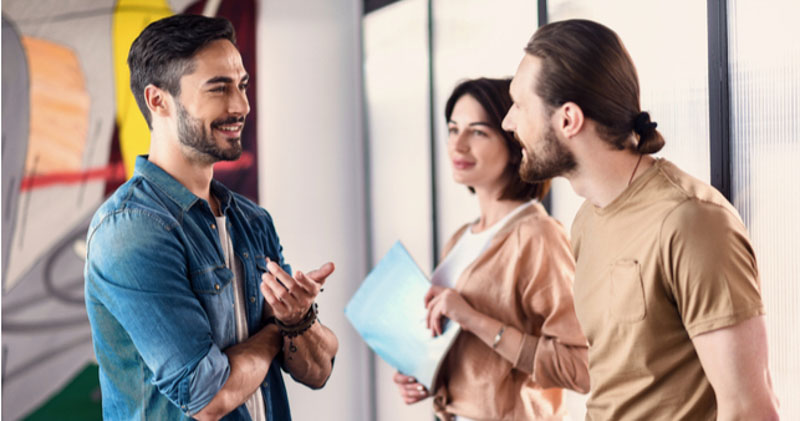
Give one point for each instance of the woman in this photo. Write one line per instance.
(506, 279)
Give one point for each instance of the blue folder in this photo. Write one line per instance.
(388, 311)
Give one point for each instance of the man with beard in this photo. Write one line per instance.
(193, 310)
(666, 284)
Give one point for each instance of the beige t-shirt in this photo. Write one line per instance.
(667, 260)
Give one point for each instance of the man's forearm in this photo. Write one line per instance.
(764, 410)
(734, 359)
(309, 357)
(250, 362)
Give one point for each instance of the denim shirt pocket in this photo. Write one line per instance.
(215, 292)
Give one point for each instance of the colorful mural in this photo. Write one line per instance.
(129, 18)
(71, 130)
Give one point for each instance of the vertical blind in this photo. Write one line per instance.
(764, 68)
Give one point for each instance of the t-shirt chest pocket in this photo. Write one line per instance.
(626, 301)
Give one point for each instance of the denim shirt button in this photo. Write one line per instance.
(213, 226)
(245, 255)
(252, 299)
(216, 286)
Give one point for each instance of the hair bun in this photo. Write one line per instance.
(643, 126)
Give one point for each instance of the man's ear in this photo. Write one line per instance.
(570, 120)
(157, 100)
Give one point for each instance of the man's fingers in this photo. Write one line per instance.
(274, 302)
(320, 275)
(278, 290)
(277, 271)
(306, 283)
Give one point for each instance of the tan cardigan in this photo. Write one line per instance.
(524, 280)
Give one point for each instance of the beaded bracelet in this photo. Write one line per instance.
(300, 327)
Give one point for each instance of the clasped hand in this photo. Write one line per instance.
(291, 297)
(445, 302)
(441, 302)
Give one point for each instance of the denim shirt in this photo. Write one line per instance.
(160, 300)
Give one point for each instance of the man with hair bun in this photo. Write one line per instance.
(666, 284)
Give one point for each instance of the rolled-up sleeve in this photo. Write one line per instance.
(136, 268)
(559, 356)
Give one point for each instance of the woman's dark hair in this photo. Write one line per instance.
(163, 53)
(493, 96)
(585, 62)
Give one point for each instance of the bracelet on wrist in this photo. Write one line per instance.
(498, 336)
(297, 329)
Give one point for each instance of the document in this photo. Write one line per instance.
(388, 311)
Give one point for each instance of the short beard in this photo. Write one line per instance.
(554, 160)
(192, 134)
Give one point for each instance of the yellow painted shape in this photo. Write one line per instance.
(59, 108)
(130, 18)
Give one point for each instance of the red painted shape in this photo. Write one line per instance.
(115, 173)
(111, 172)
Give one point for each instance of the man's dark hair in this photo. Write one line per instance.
(493, 96)
(163, 53)
(585, 62)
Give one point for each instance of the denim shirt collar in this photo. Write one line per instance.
(174, 189)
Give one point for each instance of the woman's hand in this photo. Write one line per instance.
(445, 302)
(410, 390)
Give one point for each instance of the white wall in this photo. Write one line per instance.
(472, 38)
(396, 82)
(311, 173)
(764, 59)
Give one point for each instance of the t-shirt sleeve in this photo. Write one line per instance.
(710, 266)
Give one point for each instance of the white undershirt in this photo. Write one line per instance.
(468, 248)
(255, 403)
